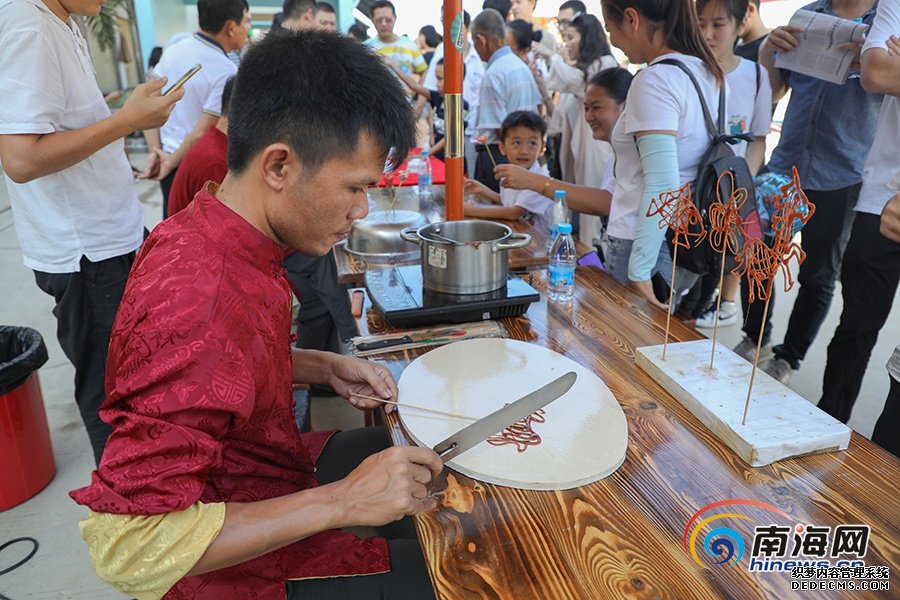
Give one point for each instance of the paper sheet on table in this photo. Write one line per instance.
(818, 54)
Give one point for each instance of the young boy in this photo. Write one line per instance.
(436, 99)
(749, 110)
(522, 142)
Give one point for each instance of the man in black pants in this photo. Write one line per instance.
(408, 577)
(828, 130)
(872, 263)
(71, 187)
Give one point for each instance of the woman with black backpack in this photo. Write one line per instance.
(662, 135)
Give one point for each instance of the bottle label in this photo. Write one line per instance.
(561, 275)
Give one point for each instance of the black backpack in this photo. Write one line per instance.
(717, 159)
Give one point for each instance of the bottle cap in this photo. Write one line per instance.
(564, 228)
(424, 152)
(559, 195)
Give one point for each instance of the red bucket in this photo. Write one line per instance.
(26, 455)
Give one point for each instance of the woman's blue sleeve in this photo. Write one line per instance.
(659, 162)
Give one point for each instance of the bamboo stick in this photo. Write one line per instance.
(414, 407)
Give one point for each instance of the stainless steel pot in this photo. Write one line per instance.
(465, 257)
(376, 238)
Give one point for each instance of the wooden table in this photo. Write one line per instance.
(621, 537)
(351, 269)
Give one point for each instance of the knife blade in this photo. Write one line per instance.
(475, 433)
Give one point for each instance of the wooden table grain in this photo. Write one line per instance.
(351, 269)
(621, 537)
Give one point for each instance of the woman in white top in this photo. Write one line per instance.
(661, 136)
(581, 157)
(749, 110)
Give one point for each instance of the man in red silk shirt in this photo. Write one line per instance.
(206, 489)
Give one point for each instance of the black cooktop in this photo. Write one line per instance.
(398, 295)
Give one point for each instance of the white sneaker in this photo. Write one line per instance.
(728, 315)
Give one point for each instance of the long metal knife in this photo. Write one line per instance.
(475, 433)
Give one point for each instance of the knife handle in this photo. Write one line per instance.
(379, 344)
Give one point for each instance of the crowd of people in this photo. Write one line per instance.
(180, 337)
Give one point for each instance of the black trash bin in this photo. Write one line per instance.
(27, 466)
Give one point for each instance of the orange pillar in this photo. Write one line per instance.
(454, 151)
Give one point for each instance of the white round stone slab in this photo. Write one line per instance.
(584, 435)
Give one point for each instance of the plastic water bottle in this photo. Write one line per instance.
(558, 215)
(424, 173)
(561, 271)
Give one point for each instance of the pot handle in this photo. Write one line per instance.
(410, 235)
(523, 240)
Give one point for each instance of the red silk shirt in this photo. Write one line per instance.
(198, 390)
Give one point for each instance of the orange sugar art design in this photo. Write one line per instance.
(758, 261)
(520, 433)
(677, 212)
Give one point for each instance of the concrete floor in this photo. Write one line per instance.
(61, 568)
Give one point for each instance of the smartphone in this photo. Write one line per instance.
(183, 80)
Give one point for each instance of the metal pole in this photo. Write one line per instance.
(454, 152)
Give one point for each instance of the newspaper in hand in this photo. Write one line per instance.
(819, 54)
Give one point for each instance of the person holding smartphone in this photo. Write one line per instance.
(74, 207)
(224, 27)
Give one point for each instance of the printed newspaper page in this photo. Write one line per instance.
(818, 54)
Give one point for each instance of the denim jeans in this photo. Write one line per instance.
(619, 251)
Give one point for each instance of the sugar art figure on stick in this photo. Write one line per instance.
(759, 263)
(677, 212)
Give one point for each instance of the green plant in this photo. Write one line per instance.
(105, 25)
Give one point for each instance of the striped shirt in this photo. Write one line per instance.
(507, 86)
(403, 52)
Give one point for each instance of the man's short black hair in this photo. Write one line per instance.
(212, 15)
(294, 9)
(576, 6)
(325, 7)
(501, 6)
(226, 94)
(467, 19)
(318, 92)
(358, 32)
(383, 4)
(523, 118)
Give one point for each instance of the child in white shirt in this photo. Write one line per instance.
(521, 141)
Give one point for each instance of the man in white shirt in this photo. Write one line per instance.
(871, 268)
(507, 86)
(224, 27)
(474, 71)
(74, 207)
